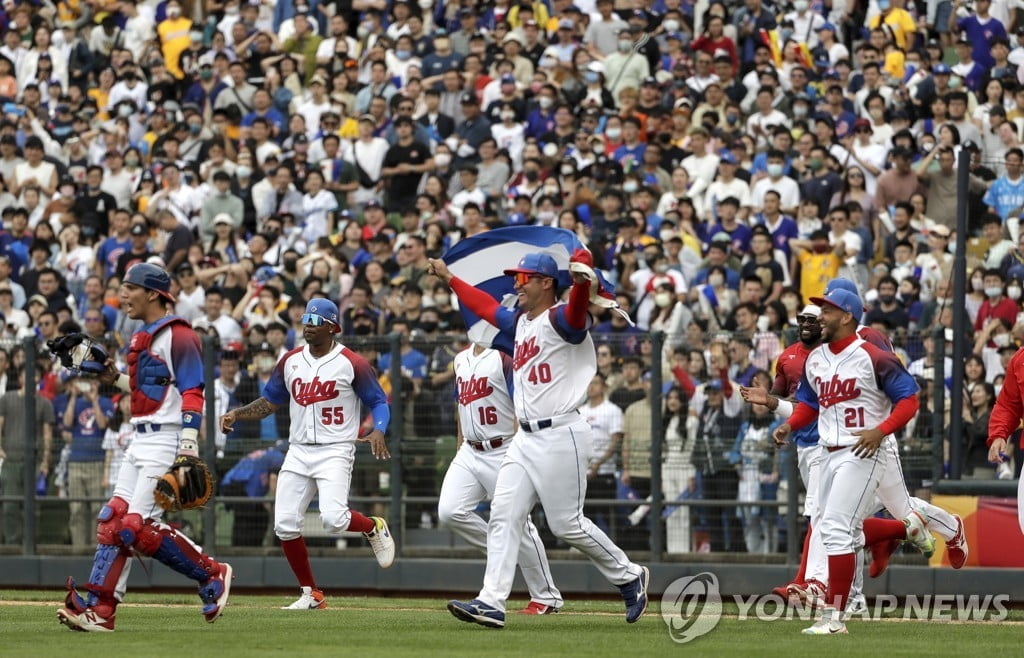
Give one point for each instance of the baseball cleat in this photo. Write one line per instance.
(381, 542)
(635, 595)
(214, 593)
(956, 547)
(829, 624)
(918, 534)
(86, 621)
(781, 592)
(477, 612)
(537, 608)
(811, 594)
(880, 554)
(311, 599)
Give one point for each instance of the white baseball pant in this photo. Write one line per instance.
(471, 478)
(307, 469)
(549, 466)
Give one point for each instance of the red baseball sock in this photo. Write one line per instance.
(801, 572)
(840, 578)
(879, 530)
(298, 559)
(360, 523)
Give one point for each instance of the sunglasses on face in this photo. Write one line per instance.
(522, 278)
(311, 320)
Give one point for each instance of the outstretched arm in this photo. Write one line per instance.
(477, 301)
(258, 409)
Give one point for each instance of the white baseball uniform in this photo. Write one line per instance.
(326, 395)
(852, 389)
(487, 419)
(553, 364)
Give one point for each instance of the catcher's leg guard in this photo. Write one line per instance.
(108, 562)
(175, 550)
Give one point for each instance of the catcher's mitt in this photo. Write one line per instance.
(187, 484)
(79, 353)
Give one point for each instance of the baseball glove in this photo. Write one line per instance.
(79, 353)
(187, 484)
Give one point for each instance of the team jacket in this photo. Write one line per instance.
(165, 368)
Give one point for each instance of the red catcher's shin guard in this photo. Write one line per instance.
(879, 530)
(298, 559)
(840, 578)
(177, 551)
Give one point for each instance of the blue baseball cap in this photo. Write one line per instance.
(844, 300)
(541, 264)
(941, 69)
(840, 283)
(826, 26)
(325, 308)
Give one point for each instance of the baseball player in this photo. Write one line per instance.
(323, 383)
(486, 423)
(1005, 419)
(553, 363)
(165, 379)
(859, 395)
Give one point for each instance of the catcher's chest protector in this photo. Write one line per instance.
(148, 373)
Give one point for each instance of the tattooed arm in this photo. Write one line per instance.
(258, 409)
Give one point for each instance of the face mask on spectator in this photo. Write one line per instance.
(801, 5)
(442, 159)
(545, 216)
(1001, 340)
(174, 12)
(774, 170)
(531, 175)
(815, 163)
(613, 133)
(716, 280)
(630, 186)
(625, 45)
(195, 128)
(886, 299)
(671, 25)
(993, 291)
(131, 162)
(264, 363)
(1013, 292)
(545, 102)
(732, 119)
(403, 54)
(243, 171)
(666, 234)
(125, 110)
(364, 30)
(661, 268)
(662, 299)
(508, 116)
(428, 326)
(441, 298)
(567, 170)
(231, 10)
(592, 78)
(799, 111)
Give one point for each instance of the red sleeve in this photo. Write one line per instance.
(901, 415)
(979, 321)
(684, 381)
(477, 301)
(803, 415)
(579, 304)
(1005, 418)
(699, 43)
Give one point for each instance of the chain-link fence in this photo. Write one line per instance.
(681, 464)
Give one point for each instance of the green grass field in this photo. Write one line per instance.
(170, 625)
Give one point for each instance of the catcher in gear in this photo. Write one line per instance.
(165, 380)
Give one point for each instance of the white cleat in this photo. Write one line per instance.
(829, 624)
(918, 533)
(311, 599)
(381, 541)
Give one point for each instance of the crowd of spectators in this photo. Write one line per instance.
(722, 161)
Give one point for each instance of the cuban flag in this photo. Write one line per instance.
(482, 259)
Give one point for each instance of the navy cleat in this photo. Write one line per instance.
(635, 595)
(477, 612)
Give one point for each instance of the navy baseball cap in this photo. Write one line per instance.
(541, 264)
(150, 277)
(844, 300)
(941, 69)
(323, 308)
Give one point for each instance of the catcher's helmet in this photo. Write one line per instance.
(150, 277)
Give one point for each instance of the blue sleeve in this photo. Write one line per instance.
(419, 366)
(506, 367)
(561, 324)
(276, 392)
(990, 195)
(893, 378)
(805, 392)
(505, 321)
(367, 388)
(107, 407)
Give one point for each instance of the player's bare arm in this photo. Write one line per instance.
(757, 395)
(439, 269)
(378, 444)
(781, 435)
(258, 409)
